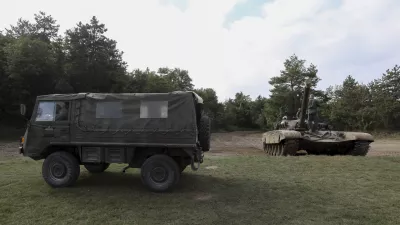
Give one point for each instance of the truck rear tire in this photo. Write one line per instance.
(60, 169)
(96, 167)
(160, 173)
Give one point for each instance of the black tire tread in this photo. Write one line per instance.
(175, 169)
(72, 165)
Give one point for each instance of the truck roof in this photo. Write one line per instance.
(75, 96)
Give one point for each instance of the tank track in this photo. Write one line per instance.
(286, 148)
(360, 148)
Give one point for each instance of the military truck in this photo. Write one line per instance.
(292, 136)
(160, 133)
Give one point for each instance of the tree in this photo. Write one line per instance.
(93, 63)
(238, 111)
(287, 88)
(258, 107)
(23, 29)
(212, 106)
(45, 28)
(30, 66)
(177, 78)
(385, 97)
(351, 106)
(165, 80)
(5, 83)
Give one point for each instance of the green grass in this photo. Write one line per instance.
(241, 190)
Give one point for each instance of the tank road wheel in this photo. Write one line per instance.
(60, 169)
(276, 149)
(289, 147)
(280, 149)
(272, 149)
(160, 173)
(360, 148)
(267, 148)
(96, 167)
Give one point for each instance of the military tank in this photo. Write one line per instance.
(292, 136)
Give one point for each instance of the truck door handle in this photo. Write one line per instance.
(48, 132)
(48, 129)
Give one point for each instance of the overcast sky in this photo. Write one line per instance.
(237, 45)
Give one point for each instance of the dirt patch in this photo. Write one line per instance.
(9, 149)
(203, 197)
(241, 140)
(235, 151)
(212, 167)
(236, 143)
(385, 147)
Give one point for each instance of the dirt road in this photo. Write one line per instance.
(385, 147)
(238, 143)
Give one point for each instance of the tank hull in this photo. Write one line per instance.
(292, 142)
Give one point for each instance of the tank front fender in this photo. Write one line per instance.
(358, 136)
(276, 136)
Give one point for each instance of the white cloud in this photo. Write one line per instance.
(356, 37)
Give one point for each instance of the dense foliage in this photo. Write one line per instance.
(35, 60)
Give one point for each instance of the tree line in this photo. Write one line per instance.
(35, 60)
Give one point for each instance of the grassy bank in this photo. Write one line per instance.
(240, 190)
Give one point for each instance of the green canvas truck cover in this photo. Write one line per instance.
(137, 118)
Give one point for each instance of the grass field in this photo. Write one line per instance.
(232, 190)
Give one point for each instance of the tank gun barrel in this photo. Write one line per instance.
(304, 103)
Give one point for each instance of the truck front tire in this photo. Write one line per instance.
(160, 173)
(60, 169)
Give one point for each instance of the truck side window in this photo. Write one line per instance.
(52, 111)
(45, 111)
(154, 109)
(108, 110)
(62, 109)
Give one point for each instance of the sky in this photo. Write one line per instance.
(238, 45)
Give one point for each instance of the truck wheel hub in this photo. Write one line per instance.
(159, 174)
(58, 170)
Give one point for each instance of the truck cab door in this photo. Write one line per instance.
(61, 125)
(50, 123)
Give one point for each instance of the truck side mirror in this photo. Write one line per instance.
(22, 108)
